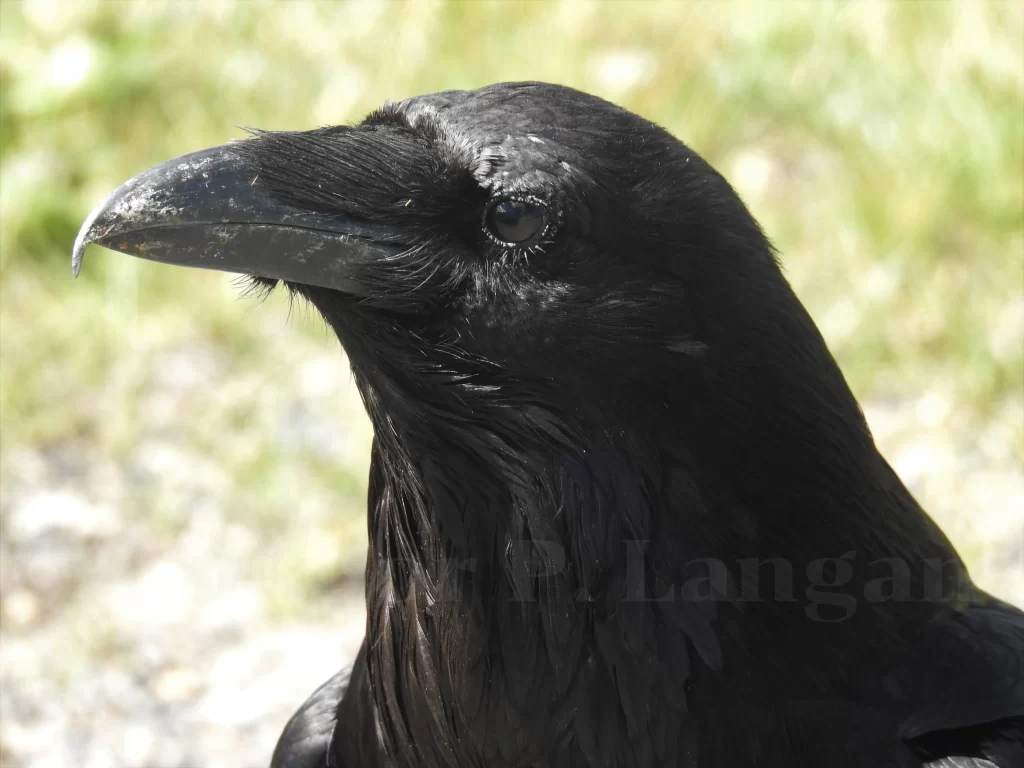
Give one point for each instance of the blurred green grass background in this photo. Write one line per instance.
(881, 145)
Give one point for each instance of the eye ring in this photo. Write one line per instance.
(515, 222)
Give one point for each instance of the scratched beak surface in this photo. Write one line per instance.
(206, 210)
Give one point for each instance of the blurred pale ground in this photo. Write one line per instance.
(183, 471)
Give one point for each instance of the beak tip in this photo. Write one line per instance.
(78, 252)
(87, 233)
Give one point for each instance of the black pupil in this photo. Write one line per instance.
(515, 221)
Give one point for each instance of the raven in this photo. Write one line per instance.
(623, 508)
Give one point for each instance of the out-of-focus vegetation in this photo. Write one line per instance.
(881, 145)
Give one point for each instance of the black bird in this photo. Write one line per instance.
(623, 507)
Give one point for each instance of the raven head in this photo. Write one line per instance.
(523, 233)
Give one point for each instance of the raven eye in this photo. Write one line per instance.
(515, 221)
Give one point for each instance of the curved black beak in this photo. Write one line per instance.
(205, 209)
